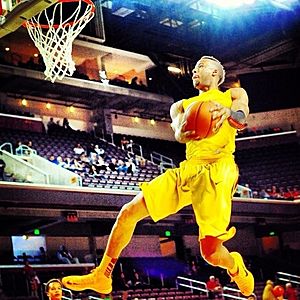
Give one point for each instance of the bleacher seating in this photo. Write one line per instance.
(62, 144)
(273, 165)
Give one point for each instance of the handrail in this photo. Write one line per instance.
(253, 137)
(9, 145)
(225, 288)
(25, 150)
(163, 161)
(68, 292)
(288, 279)
(190, 285)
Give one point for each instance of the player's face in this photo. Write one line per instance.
(202, 74)
(55, 291)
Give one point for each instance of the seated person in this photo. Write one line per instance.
(65, 256)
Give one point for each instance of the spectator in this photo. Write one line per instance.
(213, 286)
(27, 270)
(100, 164)
(60, 161)
(51, 126)
(142, 85)
(53, 289)
(78, 150)
(124, 142)
(290, 292)
(129, 146)
(90, 150)
(2, 168)
(134, 82)
(113, 165)
(35, 284)
(53, 159)
(296, 193)
(288, 194)
(77, 165)
(141, 162)
(131, 168)
(194, 269)
(66, 124)
(263, 194)
(121, 168)
(43, 255)
(268, 291)
(65, 256)
(99, 151)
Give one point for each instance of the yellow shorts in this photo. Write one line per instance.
(208, 186)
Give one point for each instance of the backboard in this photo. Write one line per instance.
(13, 13)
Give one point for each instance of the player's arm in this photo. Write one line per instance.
(237, 113)
(239, 107)
(178, 122)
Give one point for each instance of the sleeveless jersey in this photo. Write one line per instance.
(223, 142)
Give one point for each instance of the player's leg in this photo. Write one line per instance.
(216, 254)
(212, 206)
(100, 278)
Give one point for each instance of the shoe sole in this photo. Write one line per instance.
(74, 288)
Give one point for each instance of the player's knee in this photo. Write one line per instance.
(212, 258)
(126, 215)
(209, 250)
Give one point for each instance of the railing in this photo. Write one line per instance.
(286, 277)
(23, 170)
(24, 150)
(192, 284)
(7, 145)
(227, 292)
(57, 174)
(253, 137)
(163, 161)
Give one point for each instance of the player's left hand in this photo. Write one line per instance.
(222, 112)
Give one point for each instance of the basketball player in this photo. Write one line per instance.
(53, 289)
(206, 179)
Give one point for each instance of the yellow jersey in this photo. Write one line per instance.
(218, 145)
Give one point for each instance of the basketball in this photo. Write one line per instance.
(199, 119)
(278, 291)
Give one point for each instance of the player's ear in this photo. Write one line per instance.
(215, 73)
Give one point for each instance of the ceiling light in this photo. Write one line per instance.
(24, 102)
(230, 3)
(7, 49)
(123, 12)
(174, 69)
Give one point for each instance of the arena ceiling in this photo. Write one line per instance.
(249, 38)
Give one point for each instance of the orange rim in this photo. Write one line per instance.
(88, 2)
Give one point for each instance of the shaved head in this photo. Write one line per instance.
(219, 67)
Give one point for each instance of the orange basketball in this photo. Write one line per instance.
(199, 119)
(278, 290)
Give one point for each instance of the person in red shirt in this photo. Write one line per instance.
(213, 286)
(290, 292)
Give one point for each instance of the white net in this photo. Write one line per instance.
(53, 35)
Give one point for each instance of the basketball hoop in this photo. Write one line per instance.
(53, 35)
